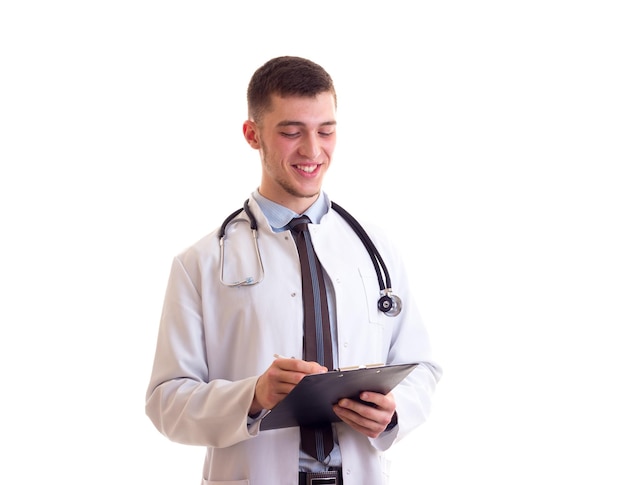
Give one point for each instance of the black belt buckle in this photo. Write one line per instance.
(322, 478)
(322, 481)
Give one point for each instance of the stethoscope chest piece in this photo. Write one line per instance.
(390, 304)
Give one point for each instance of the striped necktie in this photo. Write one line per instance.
(317, 442)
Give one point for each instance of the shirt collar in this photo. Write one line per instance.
(279, 216)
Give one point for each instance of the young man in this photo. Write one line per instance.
(227, 312)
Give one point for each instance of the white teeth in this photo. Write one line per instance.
(306, 168)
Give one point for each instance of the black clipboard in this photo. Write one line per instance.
(310, 402)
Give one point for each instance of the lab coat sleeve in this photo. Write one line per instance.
(181, 401)
(413, 401)
(409, 342)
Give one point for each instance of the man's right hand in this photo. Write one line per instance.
(278, 381)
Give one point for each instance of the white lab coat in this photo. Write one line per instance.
(214, 341)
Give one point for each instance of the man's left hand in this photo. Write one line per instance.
(369, 419)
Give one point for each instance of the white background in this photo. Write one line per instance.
(488, 136)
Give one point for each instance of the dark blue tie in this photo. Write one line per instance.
(318, 441)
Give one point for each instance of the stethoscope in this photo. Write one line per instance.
(388, 303)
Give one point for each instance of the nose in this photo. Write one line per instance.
(310, 146)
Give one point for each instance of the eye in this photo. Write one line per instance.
(289, 135)
(326, 133)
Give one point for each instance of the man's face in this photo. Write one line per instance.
(296, 140)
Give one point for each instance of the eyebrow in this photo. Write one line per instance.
(300, 123)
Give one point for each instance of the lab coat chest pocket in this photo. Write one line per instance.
(371, 291)
(360, 325)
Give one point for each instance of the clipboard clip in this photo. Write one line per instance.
(362, 366)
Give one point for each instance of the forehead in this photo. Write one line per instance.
(305, 109)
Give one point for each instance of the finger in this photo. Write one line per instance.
(360, 423)
(304, 366)
(368, 415)
(381, 401)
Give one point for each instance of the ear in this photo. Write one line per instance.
(251, 134)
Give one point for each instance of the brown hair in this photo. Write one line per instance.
(286, 76)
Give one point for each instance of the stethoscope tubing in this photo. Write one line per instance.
(392, 305)
(377, 259)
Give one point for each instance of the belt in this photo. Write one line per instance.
(332, 477)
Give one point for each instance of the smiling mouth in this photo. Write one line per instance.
(307, 168)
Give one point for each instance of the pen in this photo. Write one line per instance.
(278, 356)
